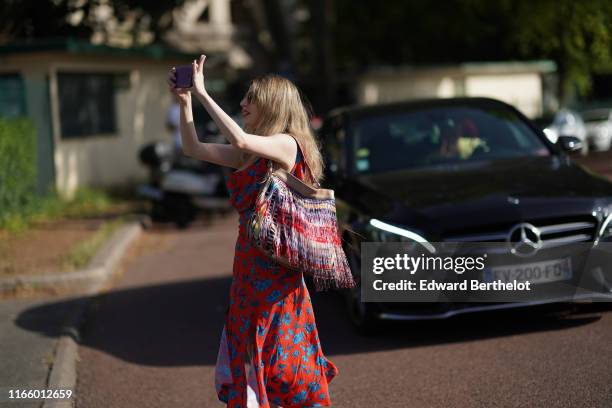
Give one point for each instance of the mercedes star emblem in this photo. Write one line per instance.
(524, 239)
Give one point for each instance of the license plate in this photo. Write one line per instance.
(537, 272)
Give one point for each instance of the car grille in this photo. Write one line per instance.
(553, 232)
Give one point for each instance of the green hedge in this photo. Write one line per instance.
(17, 166)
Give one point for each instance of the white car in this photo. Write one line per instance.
(599, 128)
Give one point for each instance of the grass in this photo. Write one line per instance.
(87, 202)
(80, 255)
(107, 209)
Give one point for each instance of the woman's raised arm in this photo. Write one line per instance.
(280, 147)
(218, 153)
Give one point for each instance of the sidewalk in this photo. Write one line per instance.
(35, 330)
(27, 354)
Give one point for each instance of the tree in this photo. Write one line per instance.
(29, 19)
(577, 35)
(24, 19)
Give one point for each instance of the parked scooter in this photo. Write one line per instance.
(180, 186)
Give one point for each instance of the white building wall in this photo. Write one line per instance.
(522, 89)
(107, 160)
(141, 111)
(381, 89)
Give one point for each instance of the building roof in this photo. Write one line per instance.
(84, 47)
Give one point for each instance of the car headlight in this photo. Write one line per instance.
(384, 232)
(605, 231)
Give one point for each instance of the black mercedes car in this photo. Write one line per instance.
(456, 170)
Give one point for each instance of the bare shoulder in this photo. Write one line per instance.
(290, 146)
(288, 142)
(286, 137)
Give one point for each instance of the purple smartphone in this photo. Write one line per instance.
(184, 76)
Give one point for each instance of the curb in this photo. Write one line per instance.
(90, 280)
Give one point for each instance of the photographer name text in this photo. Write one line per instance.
(432, 285)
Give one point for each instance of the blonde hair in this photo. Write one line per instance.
(282, 110)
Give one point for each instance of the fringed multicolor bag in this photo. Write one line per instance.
(296, 225)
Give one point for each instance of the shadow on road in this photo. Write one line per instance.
(335, 329)
(179, 324)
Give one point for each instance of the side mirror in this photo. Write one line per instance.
(570, 144)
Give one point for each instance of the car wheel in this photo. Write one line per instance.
(362, 315)
(180, 208)
(158, 212)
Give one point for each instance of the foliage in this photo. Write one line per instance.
(86, 202)
(80, 255)
(17, 166)
(577, 35)
(27, 19)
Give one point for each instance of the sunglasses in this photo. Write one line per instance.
(250, 98)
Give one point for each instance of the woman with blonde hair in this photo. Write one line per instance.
(269, 353)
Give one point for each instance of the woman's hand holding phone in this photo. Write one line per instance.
(183, 94)
(183, 80)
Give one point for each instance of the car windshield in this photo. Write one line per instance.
(445, 135)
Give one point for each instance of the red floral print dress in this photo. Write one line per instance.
(269, 309)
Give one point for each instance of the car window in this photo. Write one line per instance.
(394, 141)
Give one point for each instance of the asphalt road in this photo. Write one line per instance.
(152, 341)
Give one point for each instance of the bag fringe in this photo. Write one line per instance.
(300, 232)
